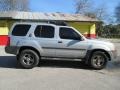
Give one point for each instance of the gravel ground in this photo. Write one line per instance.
(58, 75)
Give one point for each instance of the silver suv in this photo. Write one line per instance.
(31, 42)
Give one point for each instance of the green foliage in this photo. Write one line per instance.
(111, 31)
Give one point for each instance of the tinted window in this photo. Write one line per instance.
(20, 30)
(44, 31)
(68, 33)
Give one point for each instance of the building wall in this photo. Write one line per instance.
(86, 28)
(3, 32)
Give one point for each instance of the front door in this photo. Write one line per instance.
(70, 44)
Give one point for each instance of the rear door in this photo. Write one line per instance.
(45, 36)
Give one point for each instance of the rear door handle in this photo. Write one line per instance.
(59, 41)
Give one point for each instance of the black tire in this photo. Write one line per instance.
(98, 60)
(28, 59)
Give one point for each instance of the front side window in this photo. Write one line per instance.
(44, 31)
(68, 33)
(20, 30)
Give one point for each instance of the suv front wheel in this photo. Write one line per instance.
(28, 59)
(98, 60)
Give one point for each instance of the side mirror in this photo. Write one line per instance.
(82, 38)
(79, 38)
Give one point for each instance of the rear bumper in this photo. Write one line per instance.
(11, 49)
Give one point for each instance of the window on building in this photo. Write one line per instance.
(21, 30)
(44, 31)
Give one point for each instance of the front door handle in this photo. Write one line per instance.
(59, 41)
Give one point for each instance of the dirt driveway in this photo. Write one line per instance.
(58, 75)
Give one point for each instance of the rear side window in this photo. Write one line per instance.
(44, 31)
(21, 30)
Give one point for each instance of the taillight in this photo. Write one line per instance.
(8, 41)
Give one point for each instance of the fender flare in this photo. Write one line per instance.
(90, 52)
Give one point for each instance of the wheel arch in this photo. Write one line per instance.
(90, 52)
(29, 47)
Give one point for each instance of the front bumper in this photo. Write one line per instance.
(113, 54)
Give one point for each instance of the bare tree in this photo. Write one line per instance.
(86, 8)
(90, 14)
(117, 13)
(14, 5)
(82, 6)
(101, 12)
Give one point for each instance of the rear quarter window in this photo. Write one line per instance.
(20, 30)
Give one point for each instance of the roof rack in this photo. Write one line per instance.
(59, 23)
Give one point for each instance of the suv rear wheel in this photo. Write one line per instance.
(98, 60)
(28, 59)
